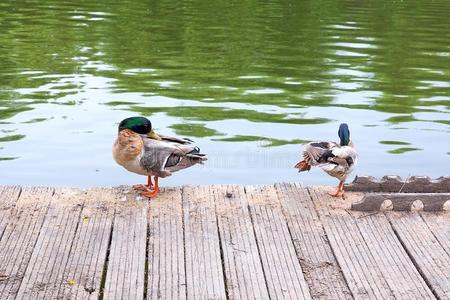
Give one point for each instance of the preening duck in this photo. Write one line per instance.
(139, 149)
(338, 160)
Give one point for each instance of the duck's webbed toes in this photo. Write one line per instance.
(151, 194)
(337, 194)
(140, 187)
(340, 190)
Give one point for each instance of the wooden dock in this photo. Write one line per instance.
(283, 241)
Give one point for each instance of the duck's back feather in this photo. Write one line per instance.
(341, 162)
(182, 141)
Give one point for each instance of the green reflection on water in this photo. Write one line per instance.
(273, 58)
(403, 150)
(8, 158)
(195, 130)
(269, 142)
(117, 103)
(401, 119)
(210, 113)
(11, 138)
(279, 53)
(9, 112)
(394, 143)
(35, 120)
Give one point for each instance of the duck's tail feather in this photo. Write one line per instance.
(197, 157)
(302, 166)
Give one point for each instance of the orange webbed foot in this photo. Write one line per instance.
(143, 187)
(337, 194)
(152, 193)
(340, 190)
(140, 187)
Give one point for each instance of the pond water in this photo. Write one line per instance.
(249, 81)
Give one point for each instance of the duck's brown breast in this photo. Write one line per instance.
(127, 146)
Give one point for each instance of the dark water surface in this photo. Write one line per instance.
(248, 80)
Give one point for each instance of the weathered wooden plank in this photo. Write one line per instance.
(397, 268)
(361, 270)
(20, 236)
(402, 201)
(439, 224)
(384, 249)
(425, 250)
(8, 198)
(83, 271)
(204, 272)
(243, 269)
(43, 276)
(318, 263)
(126, 265)
(166, 265)
(281, 265)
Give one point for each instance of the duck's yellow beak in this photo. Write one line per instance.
(153, 135)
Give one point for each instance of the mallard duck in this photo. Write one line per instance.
(139, 149)
(338, 160)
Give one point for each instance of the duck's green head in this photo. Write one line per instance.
(139, 125)
(344, 134)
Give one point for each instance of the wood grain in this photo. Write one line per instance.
(244, 272)
(284, 274)
(319, 265)
(44, 274)
(125, 273)
(166, 264)
(83, 271)
(8, 199)
(425, 250)
(20, 236)
(204, 271)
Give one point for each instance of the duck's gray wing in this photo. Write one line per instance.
(187, 156)
(161, 158)
(154, 157)
(315, 153)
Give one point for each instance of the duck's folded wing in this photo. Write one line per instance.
(184, 157)
(183, 141)
(155, 155)
(162, 156)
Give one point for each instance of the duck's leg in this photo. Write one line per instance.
(149, 182)
(340, 190)
(143, 187)
(154, 191)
